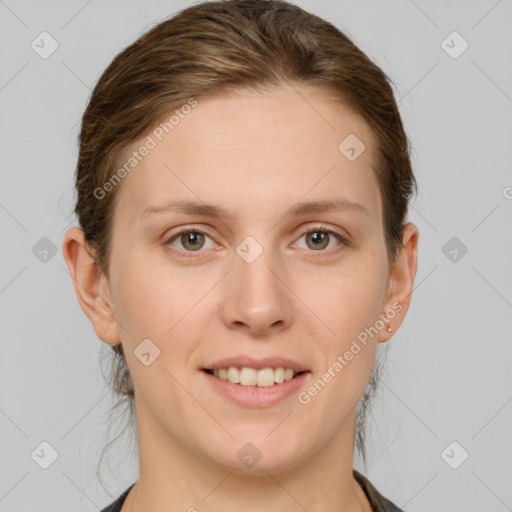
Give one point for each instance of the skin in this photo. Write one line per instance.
(257, 155)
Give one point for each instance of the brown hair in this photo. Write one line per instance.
(215, 47)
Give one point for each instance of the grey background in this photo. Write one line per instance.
(447, 373)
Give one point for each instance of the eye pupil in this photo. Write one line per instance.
(318, 237)
(191, 238)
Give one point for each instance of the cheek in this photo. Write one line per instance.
(347, 301)
(350, 307)
(146, 302)
(162, 302)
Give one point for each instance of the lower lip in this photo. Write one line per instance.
(256, 396)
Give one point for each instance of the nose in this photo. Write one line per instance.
(257, 297)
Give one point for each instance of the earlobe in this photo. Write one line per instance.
(401, 282)
(91, 286)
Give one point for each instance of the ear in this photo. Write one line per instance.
(400, 283)
(91, 286)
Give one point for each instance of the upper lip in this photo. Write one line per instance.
(250, 362)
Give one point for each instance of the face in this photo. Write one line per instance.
(266, 279)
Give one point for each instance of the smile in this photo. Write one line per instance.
(245, 376)
(251, 394)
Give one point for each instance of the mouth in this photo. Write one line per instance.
(256, 388)
(251, 377)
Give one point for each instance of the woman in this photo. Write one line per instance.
(242, 188)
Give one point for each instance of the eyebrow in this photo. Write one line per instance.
(194, 208)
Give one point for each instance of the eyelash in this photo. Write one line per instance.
(319, 228)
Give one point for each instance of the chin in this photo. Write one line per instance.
(253, 453)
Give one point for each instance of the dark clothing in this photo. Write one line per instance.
(116, 505)
(377, 501)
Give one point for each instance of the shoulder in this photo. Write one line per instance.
(377, 501)
(116, 505)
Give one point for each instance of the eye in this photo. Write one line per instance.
(320, 238)
(192, 240)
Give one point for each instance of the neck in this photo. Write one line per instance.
(173, 475)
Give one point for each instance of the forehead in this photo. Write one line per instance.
(252, 150)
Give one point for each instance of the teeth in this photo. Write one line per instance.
(233, 375)
(250, 377)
